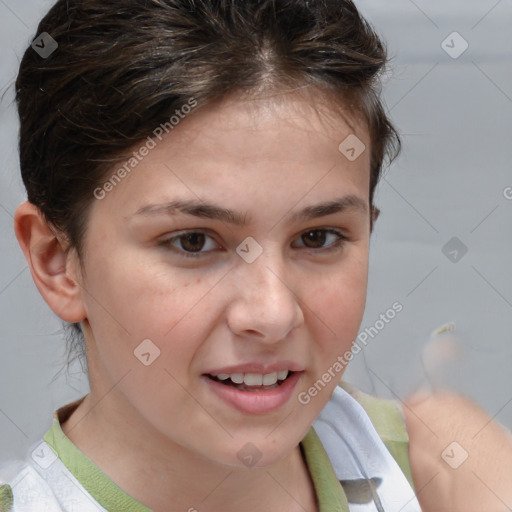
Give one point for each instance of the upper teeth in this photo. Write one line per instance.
(254, 379)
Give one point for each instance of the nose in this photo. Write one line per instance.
(265, 305)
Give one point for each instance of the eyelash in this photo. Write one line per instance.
(339, 242)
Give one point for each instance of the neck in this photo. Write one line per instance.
(156, 471)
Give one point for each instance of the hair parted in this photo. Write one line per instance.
(123, 67)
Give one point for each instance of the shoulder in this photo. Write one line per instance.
(11, 472)
(25, 490)
(41, 483)
(385, 417)
(461, 459)
(388, 419)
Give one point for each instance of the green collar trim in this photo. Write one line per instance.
(109, 495)
(329, 493)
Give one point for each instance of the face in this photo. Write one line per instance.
(233, 254)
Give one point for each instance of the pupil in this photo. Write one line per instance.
(192, 242)
(316, 237)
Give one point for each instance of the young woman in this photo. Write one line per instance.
(200, 179)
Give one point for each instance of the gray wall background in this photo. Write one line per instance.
(455, 116)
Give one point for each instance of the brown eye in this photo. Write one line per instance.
(192, 242)
(321, 239)
(314, 239)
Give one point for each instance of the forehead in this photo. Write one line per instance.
(280, 120)
(257, 150)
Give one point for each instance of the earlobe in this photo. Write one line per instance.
(52, 268)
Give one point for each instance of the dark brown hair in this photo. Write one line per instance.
(123, 67)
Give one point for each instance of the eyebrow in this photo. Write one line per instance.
(195, 208)
(349, 203)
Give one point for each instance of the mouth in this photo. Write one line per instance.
(252, 392)
(252, 381)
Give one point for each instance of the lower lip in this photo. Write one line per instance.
(255, 402)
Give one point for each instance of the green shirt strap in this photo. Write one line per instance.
(6, 498)
(329, 492)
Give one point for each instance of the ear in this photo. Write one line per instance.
(375, 212)
(54, 270)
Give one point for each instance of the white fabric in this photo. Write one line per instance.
(45, 484)
(357, 452)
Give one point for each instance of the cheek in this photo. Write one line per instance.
(337, 305)
(130, 301)
(147, 329)
(135, 291)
